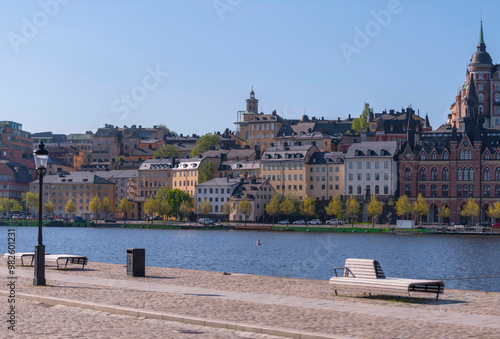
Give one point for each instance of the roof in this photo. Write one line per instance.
(119, 174)
(375, 149)
(287, 152)
(219, 182)
(248, 188)
(82, 177)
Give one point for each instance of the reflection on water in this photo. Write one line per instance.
(287, 254)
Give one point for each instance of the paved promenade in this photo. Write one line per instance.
(103, 302)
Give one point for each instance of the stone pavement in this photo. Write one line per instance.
(102, 301)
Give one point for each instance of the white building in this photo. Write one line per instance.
(216, 191)
(371, 168)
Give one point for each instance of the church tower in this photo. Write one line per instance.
(252, 103)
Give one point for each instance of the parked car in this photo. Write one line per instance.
(314, 222)
(15, 217)
(334, 222)
(497, 224)
(299, 222)
(206, 221)
(283, 222)
(109, 220)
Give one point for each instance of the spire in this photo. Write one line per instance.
(481, 38)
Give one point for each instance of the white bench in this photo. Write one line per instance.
(22, 256)
(366, 276)
(62, 260)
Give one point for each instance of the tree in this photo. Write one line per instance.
(10, 205)
(273, 208)
(356, 126)
(149, 207)
(70, 208)
(205, 208)
(444, 213)
(95, 205)
(245, 208)
(227, 209)
(30, 200)
(287, 207)
(374, 209)
(494, 210)
(175, 198)
(352, 209)
(206, 172)
(162, 205)
(308, 208)
(420, 207)
(334, 206)
(470, 209)
(365, 116)
(167, 132)
(403, 206)
(49, 207)
(204, 143)
(166, 151)
(106, 206)
(119, 158)
(124, 207)
(185, 208)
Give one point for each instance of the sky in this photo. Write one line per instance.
(70, 66)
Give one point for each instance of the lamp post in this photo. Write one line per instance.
(41, 156)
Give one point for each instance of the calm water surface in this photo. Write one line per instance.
(285, 254)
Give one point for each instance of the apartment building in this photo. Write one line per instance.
(325, 176)
(258, 192)
(216, 191)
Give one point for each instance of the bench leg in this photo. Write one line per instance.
(335, 292)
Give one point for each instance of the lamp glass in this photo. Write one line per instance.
(41, 160)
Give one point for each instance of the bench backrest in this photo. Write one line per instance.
(363, 268)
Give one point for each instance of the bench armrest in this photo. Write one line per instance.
(347, 271)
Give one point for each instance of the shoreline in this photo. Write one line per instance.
(257, 302)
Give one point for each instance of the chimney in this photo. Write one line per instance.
(349, 116)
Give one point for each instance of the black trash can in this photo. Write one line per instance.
(136, 262)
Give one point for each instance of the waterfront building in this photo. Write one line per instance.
(371, 168)
(258, 192)
(14, 141)
(325, 175)
(126, 182)
(154, 174)
(80, 187)
(217, 192)
(487, 86)
(285, 168)
(14, 180)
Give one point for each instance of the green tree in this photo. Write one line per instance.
(166, 151)
(245, 208)
(119, 158)
(149, 207)
(365, 116)
(352, 209)
(124, 207)
(205, 208)
(30, 201)
(49, 207)
(470, 209)
(95, 206)
(334, 206)
(403, 206)
(10, 205)
(420, 207)
(106, 206)
(204, 143)
(206, 172)
(70, 208)
(308, 208)
(273, 207)
(287, 207)
(185, 208)
(162, 202)
(168, 132)
(227, 209)
(175, 198)
(356, 126)
(374, 209)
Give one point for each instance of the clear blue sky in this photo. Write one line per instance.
(68, 69)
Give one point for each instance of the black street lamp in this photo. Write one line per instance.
(41, 156)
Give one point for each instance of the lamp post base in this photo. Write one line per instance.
(39, 279)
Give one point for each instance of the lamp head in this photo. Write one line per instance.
(41, 156)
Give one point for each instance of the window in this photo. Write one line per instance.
(350, 189)
(486, 191)
(422, 174)
(422, 190)
(377, 176)
(459, 174)
(497, 191)
(497, 174)
(367, 176)
(461, 154)
(434, 173)
(377, 189)
(487, 174)
(386, 176)
(407, 190)
(350, 176)
(386, 164)
(446, 174)
(422, 156)
(434, 190)
(497, 97)
(350, 165)
(377, 164)
(481, 97)
(360, 165)
(359, 176)
(465, 191)
(368, 164)
(445, 190)
(445, 156)
(481, 109)
(471, 173)
(434, 156)
(359, 189)
(471, 190)
(459, 190)
(466, 174)
(407, 174)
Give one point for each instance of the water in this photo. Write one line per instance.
(285, 254)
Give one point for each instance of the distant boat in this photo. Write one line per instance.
(258, 242)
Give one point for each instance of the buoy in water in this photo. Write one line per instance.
(258, 242)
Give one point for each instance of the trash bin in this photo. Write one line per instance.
(136, 262)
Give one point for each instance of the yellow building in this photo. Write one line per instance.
(325, 175)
